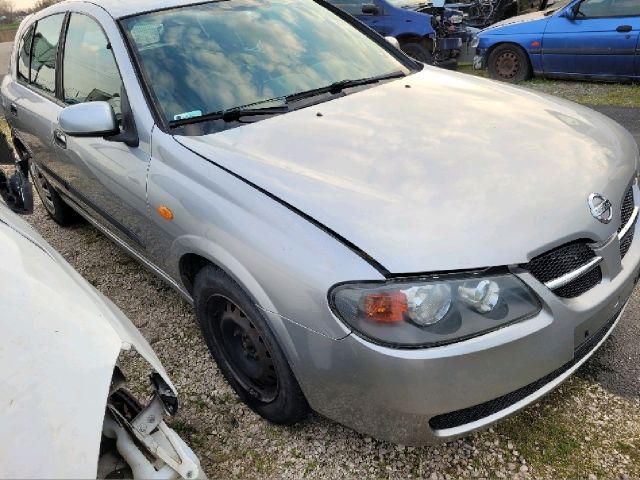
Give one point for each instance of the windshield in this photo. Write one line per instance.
(216, 56)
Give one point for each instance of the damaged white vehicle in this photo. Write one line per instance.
(64, 412)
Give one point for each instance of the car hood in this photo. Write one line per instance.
(528, 18)
(60, 343)
(438, 171)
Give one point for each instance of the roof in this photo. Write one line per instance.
(123, 8)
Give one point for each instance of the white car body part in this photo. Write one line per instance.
(60, 343)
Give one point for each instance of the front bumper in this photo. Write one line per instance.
(427, 396)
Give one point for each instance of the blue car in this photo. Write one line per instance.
(574, 39)
(425, 32)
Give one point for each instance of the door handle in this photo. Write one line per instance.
(60, 139)
(14, 109)
(624, 28)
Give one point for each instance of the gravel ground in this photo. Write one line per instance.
(589, 427)
(582, 429)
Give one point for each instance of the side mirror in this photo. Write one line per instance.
(92, 119)
(17, 191)
(572, 13)
(370, 9)
(393, 41)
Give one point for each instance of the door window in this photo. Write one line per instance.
(24, 55)
(90, 71)
(44, 52)
(609, 8)
(353, 7)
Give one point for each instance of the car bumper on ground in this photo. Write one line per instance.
(427, 396)
(479, 60)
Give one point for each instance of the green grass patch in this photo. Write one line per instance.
(589, 93)
(544, 438)
(9, 26)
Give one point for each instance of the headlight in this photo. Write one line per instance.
(474, 42)
(455, 19)
(433, 311)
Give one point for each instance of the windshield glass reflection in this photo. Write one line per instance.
(212, 57)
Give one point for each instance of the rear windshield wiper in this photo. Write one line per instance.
(231, 115)
(339, 86)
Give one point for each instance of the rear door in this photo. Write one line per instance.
(600, 42)
(30, 97)
(107, 179)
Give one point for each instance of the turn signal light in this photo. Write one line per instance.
(385, 307)
(165, 212)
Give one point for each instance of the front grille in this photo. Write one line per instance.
(580, 285)
(626, 210)
(625, 243)
(562, 260)
(478, 412)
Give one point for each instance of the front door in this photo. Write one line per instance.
(600, 41)
(368, 12)
(105, 178)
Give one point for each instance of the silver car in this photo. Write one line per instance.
(412, 252)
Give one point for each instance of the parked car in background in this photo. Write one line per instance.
(345, 248)
(482, 13)
(429, 34)
(574, 39)
(64, 409)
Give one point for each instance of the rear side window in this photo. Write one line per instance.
(44, 53)
(24, 55)
(90, 71)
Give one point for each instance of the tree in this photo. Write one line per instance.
(7, 9)
(40, 4)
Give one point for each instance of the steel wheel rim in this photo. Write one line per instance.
(244, 349)
(43, 188)
(508, 64)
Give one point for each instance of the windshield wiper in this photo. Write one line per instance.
(231, 115)
(339, 86)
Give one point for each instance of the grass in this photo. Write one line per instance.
(588, 93)
(9, 26)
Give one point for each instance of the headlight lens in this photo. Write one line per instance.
(474, 42)
(428, 312)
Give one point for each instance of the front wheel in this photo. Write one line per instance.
(245, 350)
(509, 63)
(417, 52)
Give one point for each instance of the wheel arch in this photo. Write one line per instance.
(412, 37)
(194, 253)
(506, 42)
(197, 253)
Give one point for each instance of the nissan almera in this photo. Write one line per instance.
(412, 252)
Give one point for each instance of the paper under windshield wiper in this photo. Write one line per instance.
(231, 115)
(339, 86)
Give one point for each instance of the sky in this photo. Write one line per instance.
(22, 4)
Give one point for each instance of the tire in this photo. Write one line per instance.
(509, 63)
(417, 52)
(247, 353)
(57, 209)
